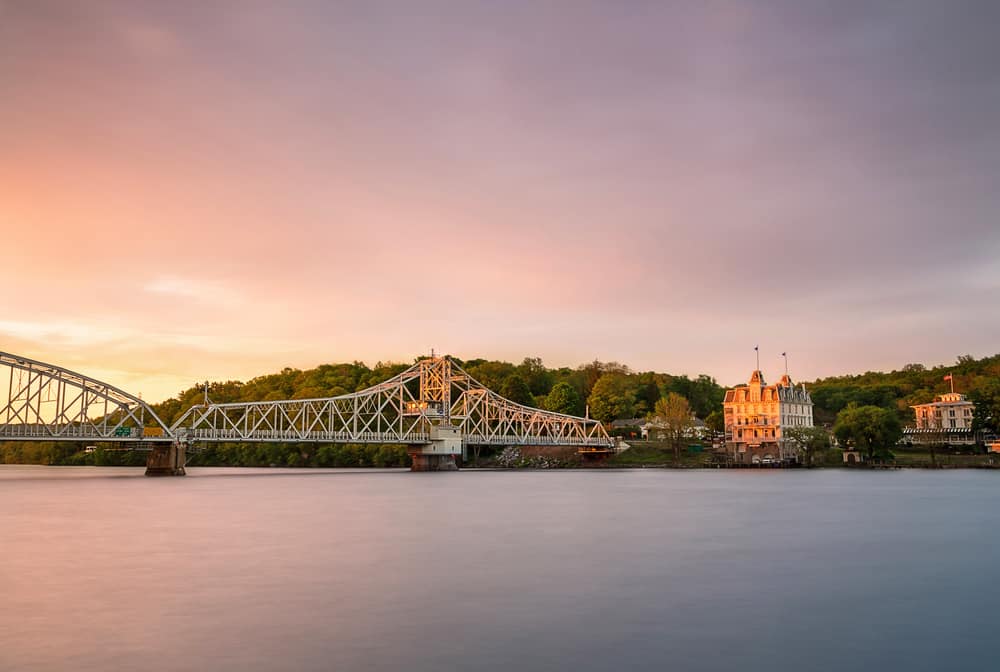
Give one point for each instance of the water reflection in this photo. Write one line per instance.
(317, 570)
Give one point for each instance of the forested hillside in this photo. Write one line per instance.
(612, 390)
(898, 390)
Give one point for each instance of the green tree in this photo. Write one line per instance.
(810, 441)
(673, 415)
(490, 374)
(564, 399)
(515, 389)
(869, 429)
(986, 416)
(592, 372)
(703, 393)
(647, 393)
(716, 421)
(534, 373)
(612, 398)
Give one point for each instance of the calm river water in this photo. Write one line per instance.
(241, 569)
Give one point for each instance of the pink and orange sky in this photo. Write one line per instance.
(216, 190)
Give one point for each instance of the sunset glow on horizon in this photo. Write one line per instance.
(215, 191)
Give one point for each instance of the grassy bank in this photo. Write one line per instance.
(661, 454)
(922, 458)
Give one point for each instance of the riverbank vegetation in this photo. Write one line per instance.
(212, 455)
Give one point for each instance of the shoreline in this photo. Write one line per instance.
(611, 467)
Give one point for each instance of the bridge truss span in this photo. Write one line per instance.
(375, 415)
(433, 397)
(51, 403)
(486, 418)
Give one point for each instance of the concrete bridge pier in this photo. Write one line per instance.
(425, 462)
(167, 459)
(440, 453)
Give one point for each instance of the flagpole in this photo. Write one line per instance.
(951, 379)
(756, 349)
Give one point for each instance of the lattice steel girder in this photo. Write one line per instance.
(403, 409)
(371, 415)
(50, 403)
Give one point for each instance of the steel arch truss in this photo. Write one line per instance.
(404, 409)
(486, 418)
(389, 412)
(50, 403)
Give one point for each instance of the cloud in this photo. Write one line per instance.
(195, 190)
(63, 333)
(145, 38)
(198, 291)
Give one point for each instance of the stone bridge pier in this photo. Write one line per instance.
(167, 459)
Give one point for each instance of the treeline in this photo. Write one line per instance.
(300, 455)
(67, 453)
(211, 455)
(612, 390)
(898, 390)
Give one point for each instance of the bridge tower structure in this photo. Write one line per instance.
(444, 443)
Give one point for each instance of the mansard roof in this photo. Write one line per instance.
(782, 391)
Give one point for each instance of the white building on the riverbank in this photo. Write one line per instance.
(947, 420)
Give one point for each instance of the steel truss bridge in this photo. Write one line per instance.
(434, 406)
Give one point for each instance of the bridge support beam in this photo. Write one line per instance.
(167, 460)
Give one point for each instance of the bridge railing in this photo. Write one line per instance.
(527, 440)
(266, 436)
(76, 432)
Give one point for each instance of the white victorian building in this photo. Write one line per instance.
(946, 420)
